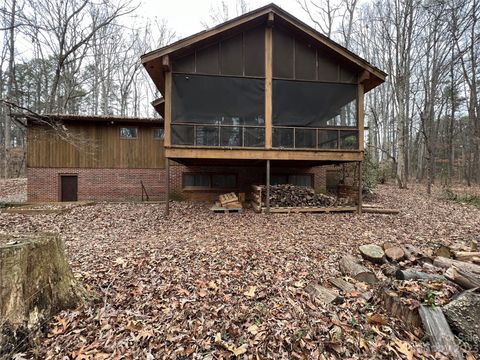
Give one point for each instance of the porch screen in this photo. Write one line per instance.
(217, 111)
(314, 104)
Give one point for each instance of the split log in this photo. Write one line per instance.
(463, 313)
(460, 265)
(323, 295)
(439, 332)
(412, 274)
(373, 253)
(395, 253)
(465, 279)
(442, 250)
(467, 255)
(349, 266)
(36, 284)
(341, 284)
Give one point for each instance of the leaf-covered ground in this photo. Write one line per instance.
(208, 286)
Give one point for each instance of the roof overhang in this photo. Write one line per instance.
(158, 61)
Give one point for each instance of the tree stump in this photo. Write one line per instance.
(36, 284)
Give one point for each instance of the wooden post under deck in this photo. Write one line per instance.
(267, 200)
(167, 185)
(360, 187)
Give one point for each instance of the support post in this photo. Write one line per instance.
(360, 187)
(267, 200)
(268, 84)
(167, 179)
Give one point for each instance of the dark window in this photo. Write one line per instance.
(305, 61)
(348, 140)
(283, 52)
(231, 55)
(128, 132)
(183, 134)
(282, 137)
(327, 139)
(255, 52)
(158, 133)
(293, 179)
(313, 104)
(210, 181)
(305, 138)
(207, 60)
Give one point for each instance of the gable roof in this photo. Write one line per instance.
(157, 60)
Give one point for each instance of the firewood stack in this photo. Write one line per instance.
(436, 289)
(297, 196)
(229, 201)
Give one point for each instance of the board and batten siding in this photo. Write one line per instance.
(97, 145)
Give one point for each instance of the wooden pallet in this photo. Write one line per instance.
(219, 209)
(305, 209)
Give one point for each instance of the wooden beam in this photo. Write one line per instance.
(268, 87)
(261, 154)
(360, 187)
(167, 187)
(168, 108)
(166, 63)
(270, 19)
(267, 200)
(364, 76)
(361, 117)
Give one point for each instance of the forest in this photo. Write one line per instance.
(83, 57)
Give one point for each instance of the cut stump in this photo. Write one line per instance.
(36, 284)
(373, 253)
(395, 253)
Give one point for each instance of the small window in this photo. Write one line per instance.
(158, 133)
(128, 132)
(292, 179)
(210, 181)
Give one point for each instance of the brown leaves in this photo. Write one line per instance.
(166, 288)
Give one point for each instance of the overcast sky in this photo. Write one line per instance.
(185, 16)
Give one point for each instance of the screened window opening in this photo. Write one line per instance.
(158, 133)
(210, 181)
(218, 111)
(128, 132)
(298, 180)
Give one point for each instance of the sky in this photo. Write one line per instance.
(185, 16)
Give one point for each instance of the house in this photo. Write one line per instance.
(262, 98)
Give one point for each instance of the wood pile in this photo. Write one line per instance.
(229, 201)
(286, 195)
(436, 296)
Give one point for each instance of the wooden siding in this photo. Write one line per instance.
(98, 146)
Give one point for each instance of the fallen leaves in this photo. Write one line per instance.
(202, 285)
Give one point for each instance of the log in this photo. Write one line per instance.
(395, 253)
(466, 255)
(462, 314)
(36, 284)
(381, 211)
(350, 267)
(442, 250)
(466, 280)
(323, 295)
(341, 284)
(387, 245)
(439, 332)
(413, 274)
(474, 245)
(373, 253)
(460, 265)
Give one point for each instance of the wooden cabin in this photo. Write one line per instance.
(262, 98)
(265, 90)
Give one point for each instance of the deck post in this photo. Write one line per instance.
(167, 186)
(360, 188)
(267, 200)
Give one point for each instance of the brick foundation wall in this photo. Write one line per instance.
(124, 184)
(246, 176)
(96, 184)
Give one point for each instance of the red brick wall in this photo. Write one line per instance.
(124, 184)
(96, 184)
